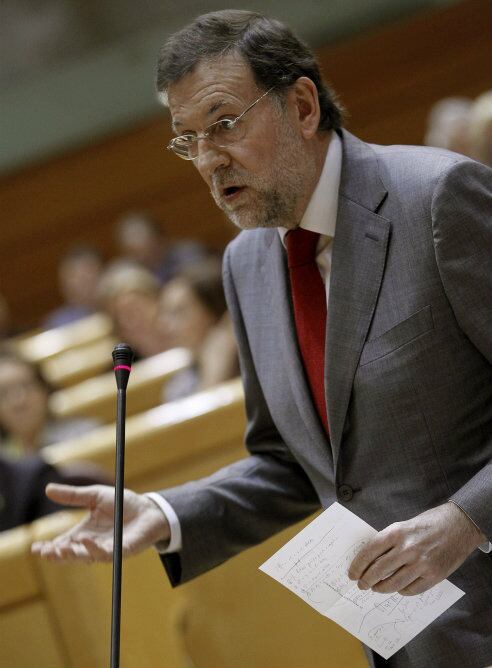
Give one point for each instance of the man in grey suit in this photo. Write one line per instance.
(402, 431)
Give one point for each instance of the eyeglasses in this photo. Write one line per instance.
(222, 133)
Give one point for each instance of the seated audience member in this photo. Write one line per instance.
(480, 129)
(129, 294)
(25, 421)
(447, 125)
(193, 314)
(78, 276)
(23, 483)
(141, 239)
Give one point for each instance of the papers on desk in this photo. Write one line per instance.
(314, 565)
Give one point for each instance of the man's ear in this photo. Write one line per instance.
(305, 97)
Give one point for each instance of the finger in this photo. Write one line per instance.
(381, 569)
(49, 551)
(418, 586)
(374, 548)
(68, 495)
(74, 552)
(98, 551)
(37, 547)
(58, 549)
(402, 578)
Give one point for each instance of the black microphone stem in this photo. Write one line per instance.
(122, 359)
(118, 528)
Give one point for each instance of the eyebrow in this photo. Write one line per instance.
(214, 107)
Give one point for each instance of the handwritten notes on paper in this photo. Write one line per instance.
(314, 565)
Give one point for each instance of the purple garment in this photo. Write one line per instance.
(65, 315)
(179, 256)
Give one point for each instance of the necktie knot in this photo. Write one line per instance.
(301, 247)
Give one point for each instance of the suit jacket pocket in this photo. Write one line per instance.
(417, 324)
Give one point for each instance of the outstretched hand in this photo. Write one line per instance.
(413, 556)
(144, 524)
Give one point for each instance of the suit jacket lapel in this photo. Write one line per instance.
(359, 254)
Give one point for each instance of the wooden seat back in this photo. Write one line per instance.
(96, 397)
(74, 366)
(45, 345)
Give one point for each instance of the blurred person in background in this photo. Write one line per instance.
(26, 424)
(447, 125)
(193, 314)
(480, 129)
(78, 276)
(129, 294)
(140, 238)
(23, 481)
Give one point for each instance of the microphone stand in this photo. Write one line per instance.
(122, 359)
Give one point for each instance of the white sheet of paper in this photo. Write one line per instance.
(314, 565)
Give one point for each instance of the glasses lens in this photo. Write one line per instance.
(184, 147)
(225, 132)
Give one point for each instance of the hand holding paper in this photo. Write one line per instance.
(314, 565)
(411, 557)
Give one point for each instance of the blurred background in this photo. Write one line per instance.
(82, 135)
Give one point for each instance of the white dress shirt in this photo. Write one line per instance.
(321, 212)
(320, 216)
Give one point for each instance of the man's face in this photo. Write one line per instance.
(79, 278)
(260, 180)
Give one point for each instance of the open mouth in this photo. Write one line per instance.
(231, 191)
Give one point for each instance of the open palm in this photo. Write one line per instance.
(92, 538)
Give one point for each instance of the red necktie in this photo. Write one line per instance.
(309, 297)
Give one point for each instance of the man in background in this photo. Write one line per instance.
(141, 239)
(78, 277)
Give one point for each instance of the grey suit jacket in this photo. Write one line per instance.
(408, 379)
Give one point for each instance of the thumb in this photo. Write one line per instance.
(69, 495)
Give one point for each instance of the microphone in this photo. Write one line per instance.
(122, 360)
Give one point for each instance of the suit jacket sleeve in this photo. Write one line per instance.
(462, 228)
(252, 499)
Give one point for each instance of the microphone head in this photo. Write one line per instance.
(122, 364)
(122, 354)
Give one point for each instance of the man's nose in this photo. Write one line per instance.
(210, 157)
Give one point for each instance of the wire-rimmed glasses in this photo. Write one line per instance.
(222, 133)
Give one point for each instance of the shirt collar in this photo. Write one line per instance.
(321, 212)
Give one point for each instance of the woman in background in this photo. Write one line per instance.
(193, 314)
(26, 424)
(129, 294)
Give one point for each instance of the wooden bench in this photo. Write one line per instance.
(96, 397)
(74, 366)
(45, 345)
(28, 633)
